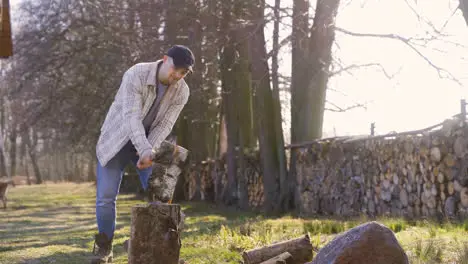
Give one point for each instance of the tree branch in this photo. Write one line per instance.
(423, 19)
(409, 43)
(336, 108)
(283, 42)
(357, 66)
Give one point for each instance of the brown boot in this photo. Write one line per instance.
(102, 249)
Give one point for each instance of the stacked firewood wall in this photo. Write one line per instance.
(207, 180)
(410, 175)
(423, 174)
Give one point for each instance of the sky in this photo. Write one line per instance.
(416, 96)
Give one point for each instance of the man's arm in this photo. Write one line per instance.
(131, 86)
(162, 130)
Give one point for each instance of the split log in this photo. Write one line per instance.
(285, 258)
(464, 197)
(404, 197)
(435, 154)
(300, 248)
(459, 147)
(155, 234)
(450, 188)
(169, 163)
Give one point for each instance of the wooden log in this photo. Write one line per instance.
(300, 248)
(155, 234)
(404, 197)
(285, 258)
(169, 163)
(457, 186)
(459, 147)
(450, 188)
(435, 154)
(464, 197)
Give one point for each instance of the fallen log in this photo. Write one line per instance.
(300, 248)
(155, 234)
(285, 258)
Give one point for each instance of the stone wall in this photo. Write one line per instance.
(413, 174)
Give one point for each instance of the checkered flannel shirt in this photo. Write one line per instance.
(131, 104)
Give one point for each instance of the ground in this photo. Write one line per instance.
(54, 223)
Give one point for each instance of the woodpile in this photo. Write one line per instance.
(208, 179)
(412, 175)
(294, 251)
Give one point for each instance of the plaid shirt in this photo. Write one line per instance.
(131, 104)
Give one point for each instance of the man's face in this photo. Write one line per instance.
(175, 74)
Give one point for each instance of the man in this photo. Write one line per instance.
(146, 106)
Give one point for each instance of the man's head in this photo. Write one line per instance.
(177, 63)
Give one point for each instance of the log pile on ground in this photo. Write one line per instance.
(294, 251)
(410, 175)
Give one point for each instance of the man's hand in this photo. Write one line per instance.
(144, 162)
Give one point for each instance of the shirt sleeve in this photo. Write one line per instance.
(132, 110)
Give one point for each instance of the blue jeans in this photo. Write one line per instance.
(108, 181)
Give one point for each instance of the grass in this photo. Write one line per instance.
(55, 223)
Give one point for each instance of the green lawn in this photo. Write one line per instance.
(55, 223)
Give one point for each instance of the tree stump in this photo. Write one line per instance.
(155, 234)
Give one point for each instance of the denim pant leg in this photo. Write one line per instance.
(107, 188)
(143, 174)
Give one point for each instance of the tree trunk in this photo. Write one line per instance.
(155, 234)
(299, 43)
(222, 148)
(210, 49)
(228, 78)
(464, 8)
(243, 96)
(23, 154)
(3, 169)
(31, 146)
(263, 103)
(311, 60)
(37, 172)
(283, 173)
(26, 169)
(299, 81)
(13, 145)
(320, 50)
